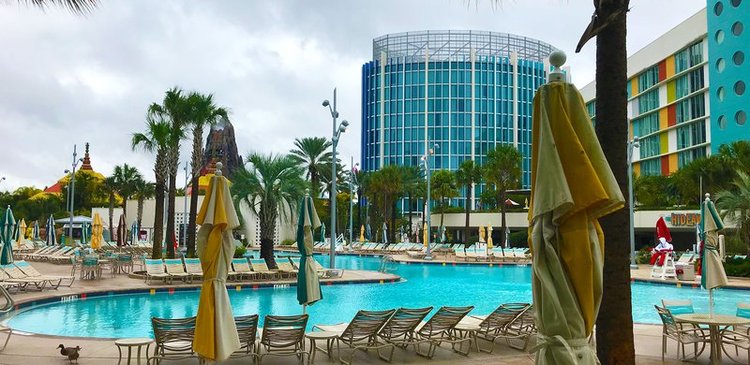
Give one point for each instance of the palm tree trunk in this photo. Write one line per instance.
(125, 209)
(194, 190)
(139, 214)
(614, 331)
(393, 223)
(170, 214)
(503, 222)
(158, 218)
(468, 213)
(267, 216)
(409, 212)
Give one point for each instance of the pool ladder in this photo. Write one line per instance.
(386, 263)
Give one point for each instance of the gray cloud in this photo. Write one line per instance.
(67, 79)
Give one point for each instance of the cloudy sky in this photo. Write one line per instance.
(67, 79)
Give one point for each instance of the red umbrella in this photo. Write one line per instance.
(662, 230)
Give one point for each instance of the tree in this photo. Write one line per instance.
(314, 155)
(734, 205)
(443, 185)
(467, 175)
(412, 179)
(143, 190)
(174, 110)
(655, 191)
(502, 172)
(736, 155)
(156, 139)
(272, 186)
(125, 178)
(75, 6)
(109, 187)
(202, 112)
(385, 187)
(711, 173)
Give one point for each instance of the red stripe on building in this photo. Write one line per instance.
(665, 165)
(671, 115)
(662, 70)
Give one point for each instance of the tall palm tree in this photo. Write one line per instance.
(126, 178)
(735, 205)
(75, 6)
(411, 179)
(314, 155)
(502, 170)
(203, 112)
(143, 190)
(443, 185)
(109, 187)
(467, 175)
(385, 188)
(156, 139)
(175, 110)
(272, 186)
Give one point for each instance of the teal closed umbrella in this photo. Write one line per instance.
(51, 237)
(7, 228)
(323, 233)
(308, 286)
(85, 232)
(35, 231)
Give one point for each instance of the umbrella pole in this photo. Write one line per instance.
(304, 308)
(710, 303)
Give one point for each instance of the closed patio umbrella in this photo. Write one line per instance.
(426, 233)
(322, 233)
(489, 238)
(97, 228)
(51, 236)
(134, 233)
(85, 233)
(122, 234)
(385, 233)
(7, 227)
(35, 231)
(362, 234)
(572, 186)
(481, 234)
(368, 232)
(21, 235)
(712, 269)
(215, 332)
(308, 286)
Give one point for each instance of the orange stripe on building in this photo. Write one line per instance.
(672, 163)
(663, 118)
(637, 168)
(634, 85)
(670, 66)
(662, 70)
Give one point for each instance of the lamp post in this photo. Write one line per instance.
(426, 160)
(185, 207)
(72, 190)
(337, 130)
(351, 199)
(631, 145)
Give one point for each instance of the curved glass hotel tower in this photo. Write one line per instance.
(464, 90)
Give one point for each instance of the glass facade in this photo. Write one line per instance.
(466, 91)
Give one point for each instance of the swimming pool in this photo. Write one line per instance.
(128, 315)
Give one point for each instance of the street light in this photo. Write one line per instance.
(337, 130)
(185, 207)
(355, 167)
(72, 190)
(426, 160)
(631, 145)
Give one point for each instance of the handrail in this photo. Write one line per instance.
(9, 302)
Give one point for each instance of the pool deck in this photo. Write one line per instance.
(40, 349)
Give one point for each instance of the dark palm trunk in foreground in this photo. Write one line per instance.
(614, 326)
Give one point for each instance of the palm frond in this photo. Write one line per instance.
(76, 6)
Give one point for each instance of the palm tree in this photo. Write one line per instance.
(411, 179)
(203, 112)
(272, 186)
(443, 185)
(314, 155)
(735, 205)
(75, 6)
(467, 175)
(143, 190)
(156, 139)
(109, 187)
(125, 178)
(502, 170)
(175, 110)
(385, 188)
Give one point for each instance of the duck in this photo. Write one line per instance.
(70, 352)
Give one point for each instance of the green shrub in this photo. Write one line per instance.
(519, 238)
(643, 256)
(239, 252)
(737, 267)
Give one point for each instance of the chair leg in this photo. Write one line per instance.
(7, 339)
(663, 347)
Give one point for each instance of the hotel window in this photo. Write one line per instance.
(648, 101)
(648, 78)
(651, 167)
(650, 146)
(691, 135)
(688, 57)
(646, 125)
(690, 108)
(689, 83)
(685, 157)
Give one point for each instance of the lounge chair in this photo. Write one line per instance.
(283, 336)
(31, 272)
(193, 267)
(242, 269)
(21, 283)
(324, 273)
(174, 339)
(247, 329)
(441, 328)
(259, 266)
(399, 330)
(361, 333)
(285, 268)
(15, 273)
(691, 336)
(176, 270)
(155, 269)
(507, 321)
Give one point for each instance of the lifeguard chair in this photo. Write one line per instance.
(666, 271)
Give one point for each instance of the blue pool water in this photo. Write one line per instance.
(424, 285)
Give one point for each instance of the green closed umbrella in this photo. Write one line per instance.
(7, 227)
(85, 232)
(712, 269)
(323, 233)
(308, 286)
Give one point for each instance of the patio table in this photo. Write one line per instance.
(713, 322)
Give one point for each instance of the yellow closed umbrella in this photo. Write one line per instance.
(215, 332)
(362, 234)
(426, 235)
(21, 233)
(572, 186)
(97, 229)
(481, 233)
(489, 237)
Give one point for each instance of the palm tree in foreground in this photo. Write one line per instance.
(314, 155)
(443, 185)
(272, 186)
(202, 112)
(156, 139)
(75, 6)
(467, 175)
(735, 205)
(143, 190)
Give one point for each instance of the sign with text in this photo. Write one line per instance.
(685, 219)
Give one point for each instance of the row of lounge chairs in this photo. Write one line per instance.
(21, 276)
(382, 331)
(241, 269)
(496, 254)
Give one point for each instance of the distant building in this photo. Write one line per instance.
(221, 146)
(57, 187)
(467, 91)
